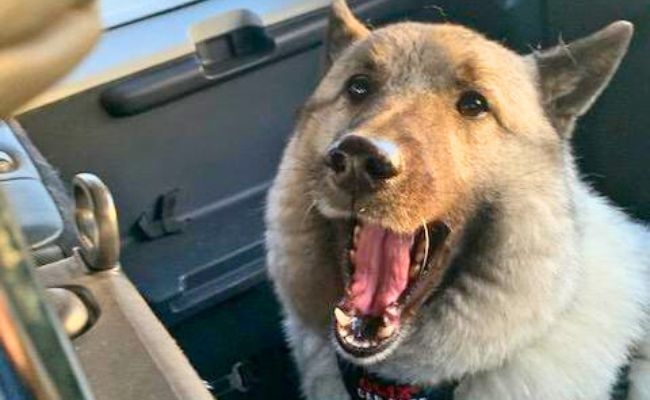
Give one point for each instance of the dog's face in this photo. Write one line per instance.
(416, 125)
(439, 108)
(413, 130)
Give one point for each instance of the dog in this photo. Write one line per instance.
(428, 233)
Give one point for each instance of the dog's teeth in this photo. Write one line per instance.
(342, 318)
(352, 254)
(385, 331)
(392, 313)
(343, 330)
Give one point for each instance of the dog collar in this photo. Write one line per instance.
(362, 385)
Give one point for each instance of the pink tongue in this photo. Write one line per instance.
(381, 269)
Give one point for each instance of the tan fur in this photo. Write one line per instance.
(534, 265)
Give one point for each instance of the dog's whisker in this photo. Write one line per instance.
(426, 241)
(309, 209)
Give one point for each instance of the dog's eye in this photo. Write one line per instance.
(358, 87)
(472, 104)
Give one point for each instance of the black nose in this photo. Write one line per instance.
(359, 158)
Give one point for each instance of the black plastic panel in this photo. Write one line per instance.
(34, 209)
(31, 203)
(219, 147)
(23, 168)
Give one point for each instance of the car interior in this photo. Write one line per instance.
(139, 180)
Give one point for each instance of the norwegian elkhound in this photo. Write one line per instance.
(430, 237)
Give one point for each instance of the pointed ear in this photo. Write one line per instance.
(343, 29)
(572, 76)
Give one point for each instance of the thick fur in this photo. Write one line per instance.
(548, 295)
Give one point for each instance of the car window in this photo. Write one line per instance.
(117, 12)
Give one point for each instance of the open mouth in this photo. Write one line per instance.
(388, 276)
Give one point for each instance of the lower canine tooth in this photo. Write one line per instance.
(356, 233)
(385, 331)
(341, 317)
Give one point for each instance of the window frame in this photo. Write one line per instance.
(141, 44)
(129, 11)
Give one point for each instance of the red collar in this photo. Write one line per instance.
(362, 385)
